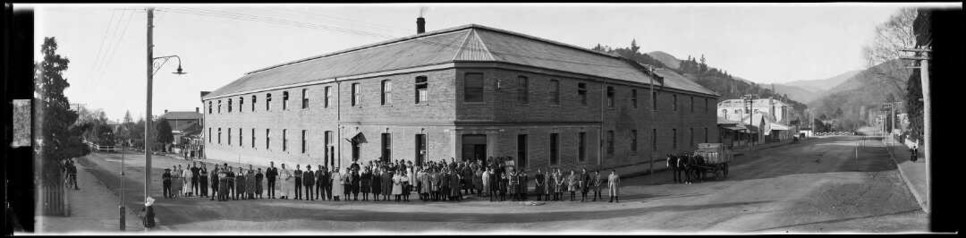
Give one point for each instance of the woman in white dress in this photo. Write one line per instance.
(186, 177)
(176, 181)
(287, 184)
(397, 181)
(337, 187)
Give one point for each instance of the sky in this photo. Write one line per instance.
(106, 43)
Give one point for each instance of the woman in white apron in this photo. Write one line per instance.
(287, 184)
(337, 187)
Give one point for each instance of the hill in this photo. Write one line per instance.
(821, 85)
(669, 60)
(865, 89)
(800, 94)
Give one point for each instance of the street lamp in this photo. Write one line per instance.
(153, 65)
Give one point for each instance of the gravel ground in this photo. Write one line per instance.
(814, 186)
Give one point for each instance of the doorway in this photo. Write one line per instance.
(474, 147)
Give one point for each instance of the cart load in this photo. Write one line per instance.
(715, 159)
(714, 153)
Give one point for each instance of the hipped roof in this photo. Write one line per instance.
(469, 43)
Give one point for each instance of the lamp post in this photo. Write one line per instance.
(153, 65)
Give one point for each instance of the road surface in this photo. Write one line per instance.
(818, 185)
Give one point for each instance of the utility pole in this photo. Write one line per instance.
(923, 57)
(147, 121)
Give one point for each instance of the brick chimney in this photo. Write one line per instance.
(165, 111)
(197, 110)
(420, 25)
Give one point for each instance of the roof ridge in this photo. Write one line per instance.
(541, 39)
(461, 48)
(373, 45)
(483, 43)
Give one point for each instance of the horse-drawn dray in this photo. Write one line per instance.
(712, 158)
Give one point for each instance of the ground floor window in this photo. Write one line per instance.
(420, 149)
(554, 148)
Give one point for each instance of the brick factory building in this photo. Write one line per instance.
(465, 92)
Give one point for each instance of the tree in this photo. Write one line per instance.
(884, 51)
(634, 46)
(58, 141)
(163, 135)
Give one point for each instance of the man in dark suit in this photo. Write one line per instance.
(319, 171)
(203, 180)
(166, 183)
(308, 180)
(298, 182)
(270, 174)
(195, 176)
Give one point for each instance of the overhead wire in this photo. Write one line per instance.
(100, 48)
(113, 49)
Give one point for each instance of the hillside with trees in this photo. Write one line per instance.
(718, 80)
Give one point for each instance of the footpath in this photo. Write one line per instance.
(913, 173)
(93, 209)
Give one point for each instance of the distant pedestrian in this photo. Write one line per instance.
(560, 186)
(524, 178)
(613, 186)
(914, 153)
(386, 183)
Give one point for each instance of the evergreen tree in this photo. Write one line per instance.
(634, 46)
(163, 135)
(58, 141)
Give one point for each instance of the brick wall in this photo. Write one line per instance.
(445, 117)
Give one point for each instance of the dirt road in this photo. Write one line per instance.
(816, 185)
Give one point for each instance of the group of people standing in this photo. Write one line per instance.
(385, 181)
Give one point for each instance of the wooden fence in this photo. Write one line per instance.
(54, 199)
